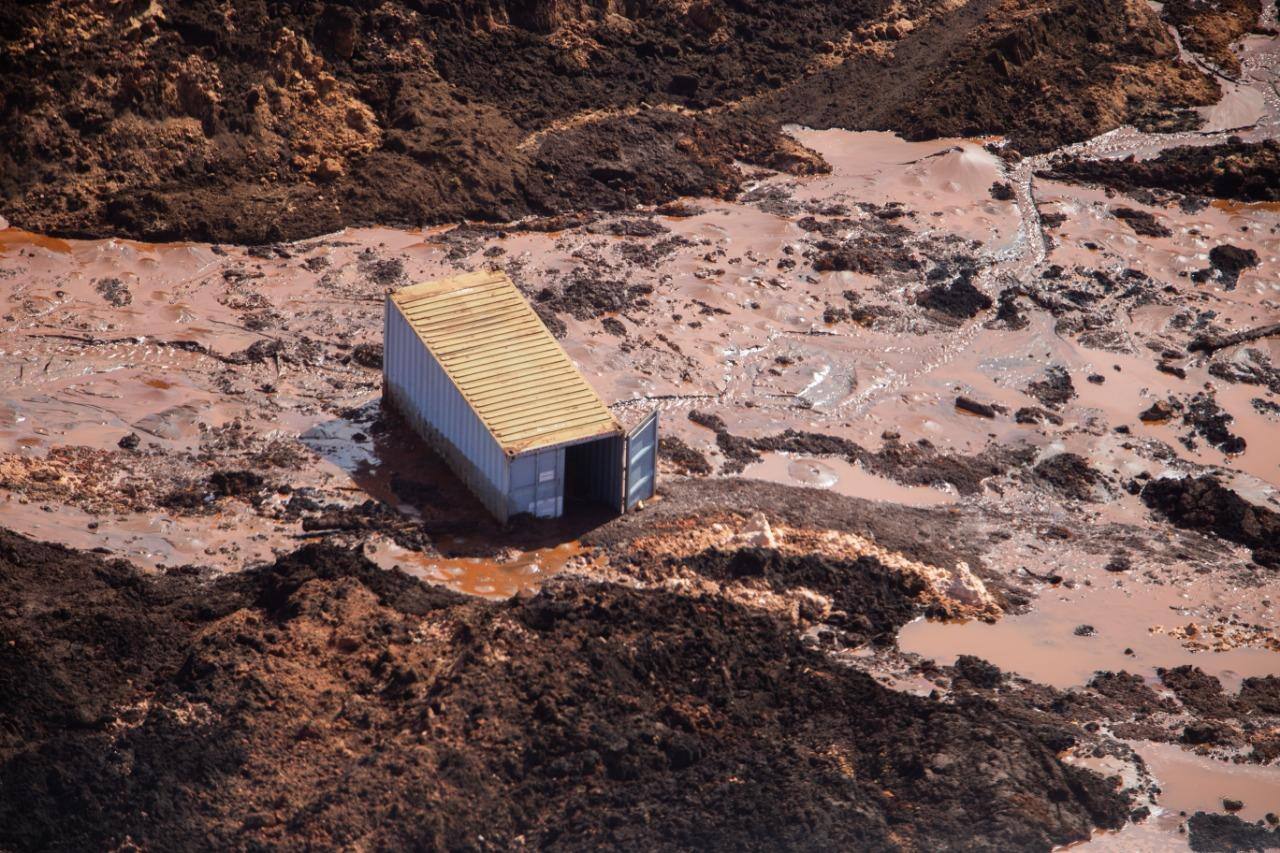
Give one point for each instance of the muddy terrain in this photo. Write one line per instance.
(588, 714)
(962, 321)
(261, 122)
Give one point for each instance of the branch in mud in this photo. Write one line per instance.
(1210, 345)
(188, 346)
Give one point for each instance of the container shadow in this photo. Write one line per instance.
(392, 465)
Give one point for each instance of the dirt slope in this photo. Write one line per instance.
(323, 702)
(256, 122)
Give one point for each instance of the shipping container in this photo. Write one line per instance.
(477, 374)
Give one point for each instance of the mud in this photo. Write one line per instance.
(1211, 30)
(1220, 833)
(1238, 170)
(1205, 504)
(218, 711)
(872, 522)
(191, 121)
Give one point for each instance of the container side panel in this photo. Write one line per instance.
(419, 389)
(642, 461)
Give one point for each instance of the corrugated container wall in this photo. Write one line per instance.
(422, 392)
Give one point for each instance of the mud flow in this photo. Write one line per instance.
(972, 449)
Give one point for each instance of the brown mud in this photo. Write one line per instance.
(190, 404)
(244, 123)
(176, 710)
(1237, 170)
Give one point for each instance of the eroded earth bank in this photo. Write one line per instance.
(968, 528)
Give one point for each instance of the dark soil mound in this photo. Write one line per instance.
(687, 460)
(1246, 171)
(1230, 261)
(870, 600)
(322, 702)
(1197, 690)
(1071, 475)
(1205, 504)
(262, 122)
(1142, 222)
(1224, 833)
(957, 299)
(1211, 28)
(1055, 390)
(1212, 423)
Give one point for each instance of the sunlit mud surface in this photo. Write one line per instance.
(197, 404)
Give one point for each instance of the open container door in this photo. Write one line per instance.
(641, 457)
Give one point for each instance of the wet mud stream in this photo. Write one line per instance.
(136, 379)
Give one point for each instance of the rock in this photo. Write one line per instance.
(129, 442)
(756, 534)
(1232, 805)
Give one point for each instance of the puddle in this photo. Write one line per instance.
(1042, 645)
(13, 240)
(847, 478)
(1192, 783)
(1157, 834)
(491, 578)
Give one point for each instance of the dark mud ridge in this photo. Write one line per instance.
(1220, 833)
(1245, 171)
(1206, 505)
(255, 123)
(323, 702)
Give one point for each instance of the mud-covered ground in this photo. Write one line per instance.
(257, 122)
(966, 533)
(322, 701)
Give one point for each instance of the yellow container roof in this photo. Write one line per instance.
(508, 366)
